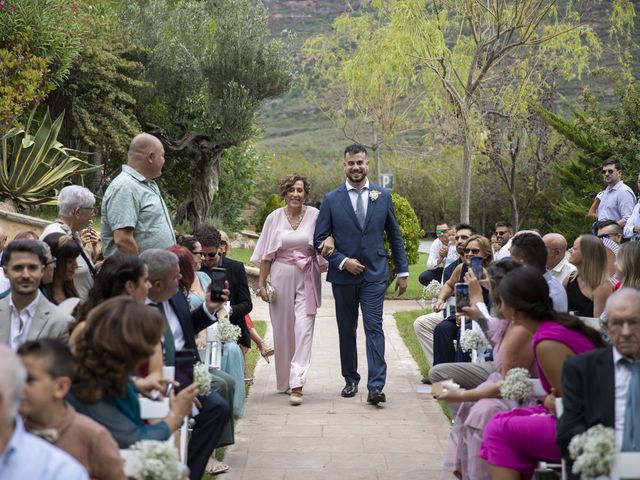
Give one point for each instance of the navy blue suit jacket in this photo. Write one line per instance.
(191, 322)
(338, 219)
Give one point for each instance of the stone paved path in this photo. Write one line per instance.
(330, 437)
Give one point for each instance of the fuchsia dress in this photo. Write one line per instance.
(520, 438)
(295, 276)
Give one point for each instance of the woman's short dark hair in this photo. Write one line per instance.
(119, 335)
(116, 271)
(290, 180)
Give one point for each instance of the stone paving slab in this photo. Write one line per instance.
(330, 437)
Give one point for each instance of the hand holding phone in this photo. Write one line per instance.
(184, 368)
(462, 296)
(218, 277)
(476, 267)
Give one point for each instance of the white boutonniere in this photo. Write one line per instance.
(373, 195)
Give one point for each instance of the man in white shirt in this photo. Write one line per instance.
(597, 385)
(504, 232)
(23, 455)
(439, 252)
(557, 263)
(25, 314)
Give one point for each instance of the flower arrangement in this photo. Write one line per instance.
(373, 195)
(471, 340)
(228, 332)
(432, 290)
(202, 378)
(517, 385)
(593, 451)
(153, 460)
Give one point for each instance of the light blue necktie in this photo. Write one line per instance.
(360, 208)
(631, 433)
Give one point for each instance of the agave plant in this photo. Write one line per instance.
(34, 166)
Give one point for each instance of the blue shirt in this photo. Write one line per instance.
(616, 202)
(28, 456)
(633, 221)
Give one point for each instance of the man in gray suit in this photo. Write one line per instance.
(25, 314)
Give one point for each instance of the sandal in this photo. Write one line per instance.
(216, 468)
(266, 351)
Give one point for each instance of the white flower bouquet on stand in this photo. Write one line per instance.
(593, 451)
(472, 340)
(202, 378)
(430, 293)
(517, 386)
(152, 460)
(227, 332)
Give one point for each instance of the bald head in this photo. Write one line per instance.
(146, 155)
(13, 377)
(556, 249)
(623, 321)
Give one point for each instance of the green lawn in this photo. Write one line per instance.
(242, 255)
(414, 289)
(404, 322)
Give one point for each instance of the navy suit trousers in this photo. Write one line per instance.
(443, 349)
(369, 296)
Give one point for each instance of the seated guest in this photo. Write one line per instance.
(513, 442)
(23, 455)
(504, 232)
(75, 210)
(611, 230)
(25, 314)
(599, 387)
(446, 332)
(119, 335)
(557, 263)
(512, 349)
(424, 325)
(529, 249)
(180, 328)
(66, 251)
(589, 287)
(50, 365)
(438, 255)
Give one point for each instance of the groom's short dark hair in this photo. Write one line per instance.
(355, 148)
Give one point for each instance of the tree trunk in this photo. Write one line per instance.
(465, 193)
(205, 178)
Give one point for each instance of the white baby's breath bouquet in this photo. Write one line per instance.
(593, 451)
(227, 331)
(153, 460)
(517, 385)
(202, 378)
(429, 293)
(471, 340)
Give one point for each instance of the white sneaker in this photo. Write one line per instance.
(296, 396)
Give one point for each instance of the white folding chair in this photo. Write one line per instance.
(477, 356)
(627, 466)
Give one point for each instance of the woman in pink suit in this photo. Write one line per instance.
(285, 254)
(514, 441)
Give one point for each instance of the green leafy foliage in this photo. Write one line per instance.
(411, 233)
(34, 165)
(271, 203)
(22, 83)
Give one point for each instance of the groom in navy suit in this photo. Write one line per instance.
(356, 215)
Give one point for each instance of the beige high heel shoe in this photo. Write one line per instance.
(266, 351)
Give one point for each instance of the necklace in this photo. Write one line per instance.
(296, 220)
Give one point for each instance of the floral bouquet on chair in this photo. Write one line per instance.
(471, 340)
(152, 460)
(517, 386)
(593, 451)
(227, 332)
(202, 378)
(430, 293)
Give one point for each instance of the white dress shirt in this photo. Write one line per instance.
(622, 377)
(503, 252)
(557, 293)
(616, 202)
(633, 221)
(563, 269)
(21, 321)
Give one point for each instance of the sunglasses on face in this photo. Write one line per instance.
(210, 255)
(501, 232)
(198, 253)
(604, 172)
(441, 232)
(473, 251)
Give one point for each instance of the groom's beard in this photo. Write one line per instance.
(362, 177)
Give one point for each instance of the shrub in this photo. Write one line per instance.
(272, 202)
(411, 233)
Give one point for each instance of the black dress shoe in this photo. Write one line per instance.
(376, 396)
(349, 390)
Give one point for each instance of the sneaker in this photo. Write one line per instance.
(296, 396)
